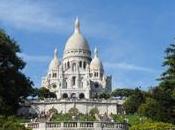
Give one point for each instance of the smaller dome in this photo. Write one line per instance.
(54, 64)
(96, 63)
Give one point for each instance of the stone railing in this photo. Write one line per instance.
(77, 126)
(52, 101)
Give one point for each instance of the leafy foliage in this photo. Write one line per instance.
(11, 123)
(61, 117)
(151, 108)
(122, 92)
(68, 117)
(43, 93)
(134, 101)
(73, 111)
(161, 104)
(86, 117)
(94, 111)
(104, 95)
(137, 122)
(53, 110)
(13, 83)
(153, 126)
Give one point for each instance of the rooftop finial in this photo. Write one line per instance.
(96, 52)
(55, 52)
(77, 25)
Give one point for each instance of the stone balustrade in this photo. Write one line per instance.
(77, 126)
(75, 100)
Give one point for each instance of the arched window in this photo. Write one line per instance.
(84, 65)
(73, 95)
(54, 85)
(54, 75)
(73, 81)
(94, 74)
(81, 95)
(68, 64)
(73, 67)
(80, 64)
(96, 84)
(65, 95)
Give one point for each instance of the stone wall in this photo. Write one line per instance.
(84, 106)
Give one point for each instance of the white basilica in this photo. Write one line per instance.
(78, 75)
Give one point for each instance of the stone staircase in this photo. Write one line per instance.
(105, 118)
(44, 117)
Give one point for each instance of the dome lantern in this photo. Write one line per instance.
(77, 26)
(96, 63)
(54, 64)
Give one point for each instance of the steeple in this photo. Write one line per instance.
(77, 25)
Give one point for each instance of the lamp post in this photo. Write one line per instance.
(102, 126)
(126, 120)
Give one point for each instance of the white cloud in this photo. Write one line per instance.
(127, 66)
(29, 15)
(36, 16)
(32, 58)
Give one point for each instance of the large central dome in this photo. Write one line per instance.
(76, 42)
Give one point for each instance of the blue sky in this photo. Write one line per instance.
(131, 35)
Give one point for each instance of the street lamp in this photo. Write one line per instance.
(102, 126)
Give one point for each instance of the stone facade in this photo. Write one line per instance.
(78, 75)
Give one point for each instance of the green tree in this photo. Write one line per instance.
(122, 92)
(14, 85)
(94, 111)
(134, 101)
(105, 95)
(73, 111)
(11, 123)
(164, 93)
(151, 108)
(168, 77)
(43, 93)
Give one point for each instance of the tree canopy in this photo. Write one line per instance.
(160, 105)
(124, 92)
(14, 85)
(42, 93)
(134, 101)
